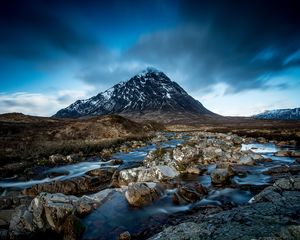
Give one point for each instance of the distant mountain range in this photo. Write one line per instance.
(280, 114)
(149, 92)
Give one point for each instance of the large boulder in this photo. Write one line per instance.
(21, 223)
(189, 193)
(247, 160)
(185, 156)
(93, 181)
(142, 194)
(73, 228)
(164, 173)
(275, 193)
(142, 174)
(220, 176)
(54, 212)
(283, 153)
(265, 218)
(160, 156)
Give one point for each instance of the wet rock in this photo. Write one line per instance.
(184, 156)
(293, 169)
(247, 160)
(98, 198)
(275, 193)
(125, 236)
(164, 173)
(283, 153)
(189, 193)
(21, 223)
(115, 162)
(269, 194)
(84, 206)
(160, 156)
(105, 174)
(220, 176)
(142, 194)
(256, 157)
(95, 180)
(265, 219)
(56, 212)
(73, 228)
(143, 174)
(291, 184)
(227, 166)
(135, 175)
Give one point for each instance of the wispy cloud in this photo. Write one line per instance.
(38, 103)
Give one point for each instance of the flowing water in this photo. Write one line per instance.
(115, 216)
(78, 169)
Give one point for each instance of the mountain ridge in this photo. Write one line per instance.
(150, 90)
(280, 114)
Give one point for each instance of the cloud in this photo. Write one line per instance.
(36, 30)
(38, 103)
(208, 47)
(195, 57)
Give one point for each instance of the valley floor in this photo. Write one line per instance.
(210, 181)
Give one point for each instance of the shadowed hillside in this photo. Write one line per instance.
(26, 137)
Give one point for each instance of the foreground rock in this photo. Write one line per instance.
(143, 174)
(273, 214)
(203, 149)
(142, 194)
(55, 212)
(220, 176)
(93, 181)
(189, 193)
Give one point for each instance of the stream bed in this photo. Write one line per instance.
(115, 215)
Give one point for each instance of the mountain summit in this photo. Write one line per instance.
(151, 90)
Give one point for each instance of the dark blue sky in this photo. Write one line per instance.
(222, 52)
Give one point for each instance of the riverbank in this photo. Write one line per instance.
(174, 178)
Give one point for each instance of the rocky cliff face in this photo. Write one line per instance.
(149, 91)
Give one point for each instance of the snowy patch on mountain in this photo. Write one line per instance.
(149, 90)
(280, 114)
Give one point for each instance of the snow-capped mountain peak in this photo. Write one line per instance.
(149, 90)
(281, 114)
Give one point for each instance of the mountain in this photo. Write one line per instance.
(147, 92)
(280, 114)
